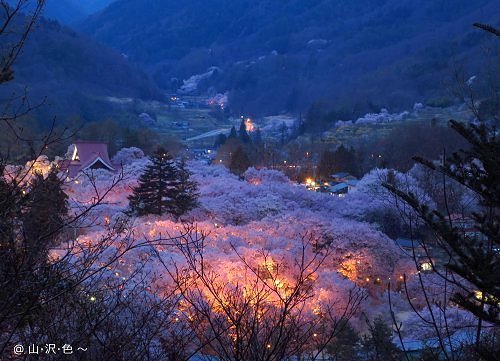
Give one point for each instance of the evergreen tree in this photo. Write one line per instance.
(220, 140)
(345, 346)
(378, 345)
(473, 257)
(232, 133)
(157, 189)
(47, 208)
(11, 202)
(245, 138)
(187, 196)
(29, 226)
(239, 162)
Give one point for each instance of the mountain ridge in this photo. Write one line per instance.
(270, 52)
(71, 71)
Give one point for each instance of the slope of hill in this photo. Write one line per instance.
(71, 11)
(64, 11)
(273, 55)
(73, 72)
(92, 6)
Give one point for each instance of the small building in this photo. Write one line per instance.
(411, 247)
(352, 184)
(87, 155)
(408, 246)
(467, 225)
(339, 190)
(207, 154)
(343, 183)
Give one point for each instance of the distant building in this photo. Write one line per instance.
(466, 225)
(339, 190)
(342, 183)
(203, 154)
(408, 245)
(413, 248)
(87, 155)
(352, 184)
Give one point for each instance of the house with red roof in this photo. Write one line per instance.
(87, 155)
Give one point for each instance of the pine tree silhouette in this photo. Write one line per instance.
(232, 133)
(244, 137)
(378, 345)
(157, 189)
(47, 208)
(187, 196)
(239, 162)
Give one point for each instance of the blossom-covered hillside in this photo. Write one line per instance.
(264, 212)
(253, 222)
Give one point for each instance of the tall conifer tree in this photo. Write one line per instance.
(244, 137)
(232, 133)
(157, 189)
(186, 198)
(47, 209)
(239, 162)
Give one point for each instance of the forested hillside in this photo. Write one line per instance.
(280, 56)
(72, 72)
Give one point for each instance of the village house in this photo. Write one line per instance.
(87, 155)
(413, 248)
(341, 184)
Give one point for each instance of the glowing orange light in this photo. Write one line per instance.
(268, 345)
(269, 264)
(367, 279)
(249, 125)
(278, 283)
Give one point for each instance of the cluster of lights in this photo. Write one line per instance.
(249, 125)
(310, 182)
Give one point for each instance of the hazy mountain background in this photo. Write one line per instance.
(68, 11)
(71, 11)
(73, 75)
(274, 56)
